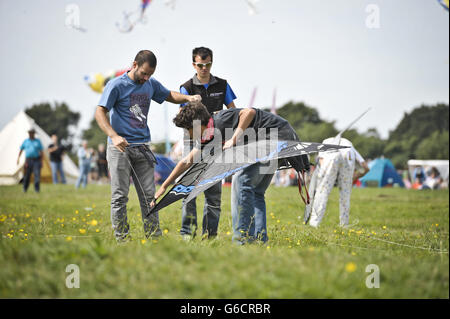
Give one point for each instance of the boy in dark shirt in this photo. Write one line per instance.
(56, 151)
(248, 208)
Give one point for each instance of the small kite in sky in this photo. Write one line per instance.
(251, 4)
(130, 19)
(170, 3)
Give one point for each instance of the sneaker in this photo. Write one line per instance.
(123, 239)
(187, 237)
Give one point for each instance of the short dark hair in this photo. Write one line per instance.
(146, 56)
(189, 113)
(202, 52)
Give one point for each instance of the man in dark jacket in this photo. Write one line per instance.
(215, 93)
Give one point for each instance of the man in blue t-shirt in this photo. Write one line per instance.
(33, 160)
(215, 93)
(127, 99)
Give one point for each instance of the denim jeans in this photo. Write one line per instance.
(211, 213)
(32, 166)
(248, 206)
(57, 167)
(84, 171)
(142, 172)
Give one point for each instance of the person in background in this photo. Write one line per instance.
(102, 164)
(93, 171)
(338, 165)
(405, 178)
(433, 179)
(33, 160)
(418, 173)
(84, 162)
(216, 93)
(56, 151)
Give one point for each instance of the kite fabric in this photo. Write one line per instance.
(444, 3)
(213, 168)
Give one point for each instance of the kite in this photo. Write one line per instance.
(251, 4)
(170, 3)
(130, 19)
(217, 166)
(97, 81)
(313, 181)
(444, 3)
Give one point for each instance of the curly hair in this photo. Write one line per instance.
(189, 113)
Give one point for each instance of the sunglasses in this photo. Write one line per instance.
(203, 65)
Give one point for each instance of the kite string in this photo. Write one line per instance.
(387, 241)
(406, 245)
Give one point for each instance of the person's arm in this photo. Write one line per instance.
(102, 120)
(231, 105)
(53, 148)
(358, 174)
(18, 158)
(178, 98)
(179, 169)
(246, 116)
(229, 97)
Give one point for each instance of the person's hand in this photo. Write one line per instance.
(195, 98)
(228, 144)
(158, 194)
(119, 142)
(18, 159)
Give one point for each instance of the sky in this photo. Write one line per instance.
(340, 57)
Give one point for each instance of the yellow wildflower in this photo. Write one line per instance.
(350, 267)
(82, 231)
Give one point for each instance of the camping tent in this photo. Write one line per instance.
(12, 137)
(382, 173)
(163, 168)
(441, 166)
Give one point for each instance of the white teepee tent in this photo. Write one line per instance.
(12, 137)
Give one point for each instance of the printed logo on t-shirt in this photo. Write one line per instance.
(139, 105)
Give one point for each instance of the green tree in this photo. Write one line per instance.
(56, 119)
(434, 146)
(94, 135)
(423, 133)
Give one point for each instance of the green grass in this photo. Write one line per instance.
(297, 262)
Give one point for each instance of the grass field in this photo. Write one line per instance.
(405, 233)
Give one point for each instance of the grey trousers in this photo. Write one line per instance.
(142, 172)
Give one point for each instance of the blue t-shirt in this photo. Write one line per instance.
(83, 158)
(229, 94)
(32, 147)
(128, 104)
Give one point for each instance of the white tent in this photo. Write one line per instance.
(12, 137)
(441, 166)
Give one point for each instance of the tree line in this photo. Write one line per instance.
(422, 133)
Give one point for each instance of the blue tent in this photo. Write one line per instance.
(382, 173)
(163, 168)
